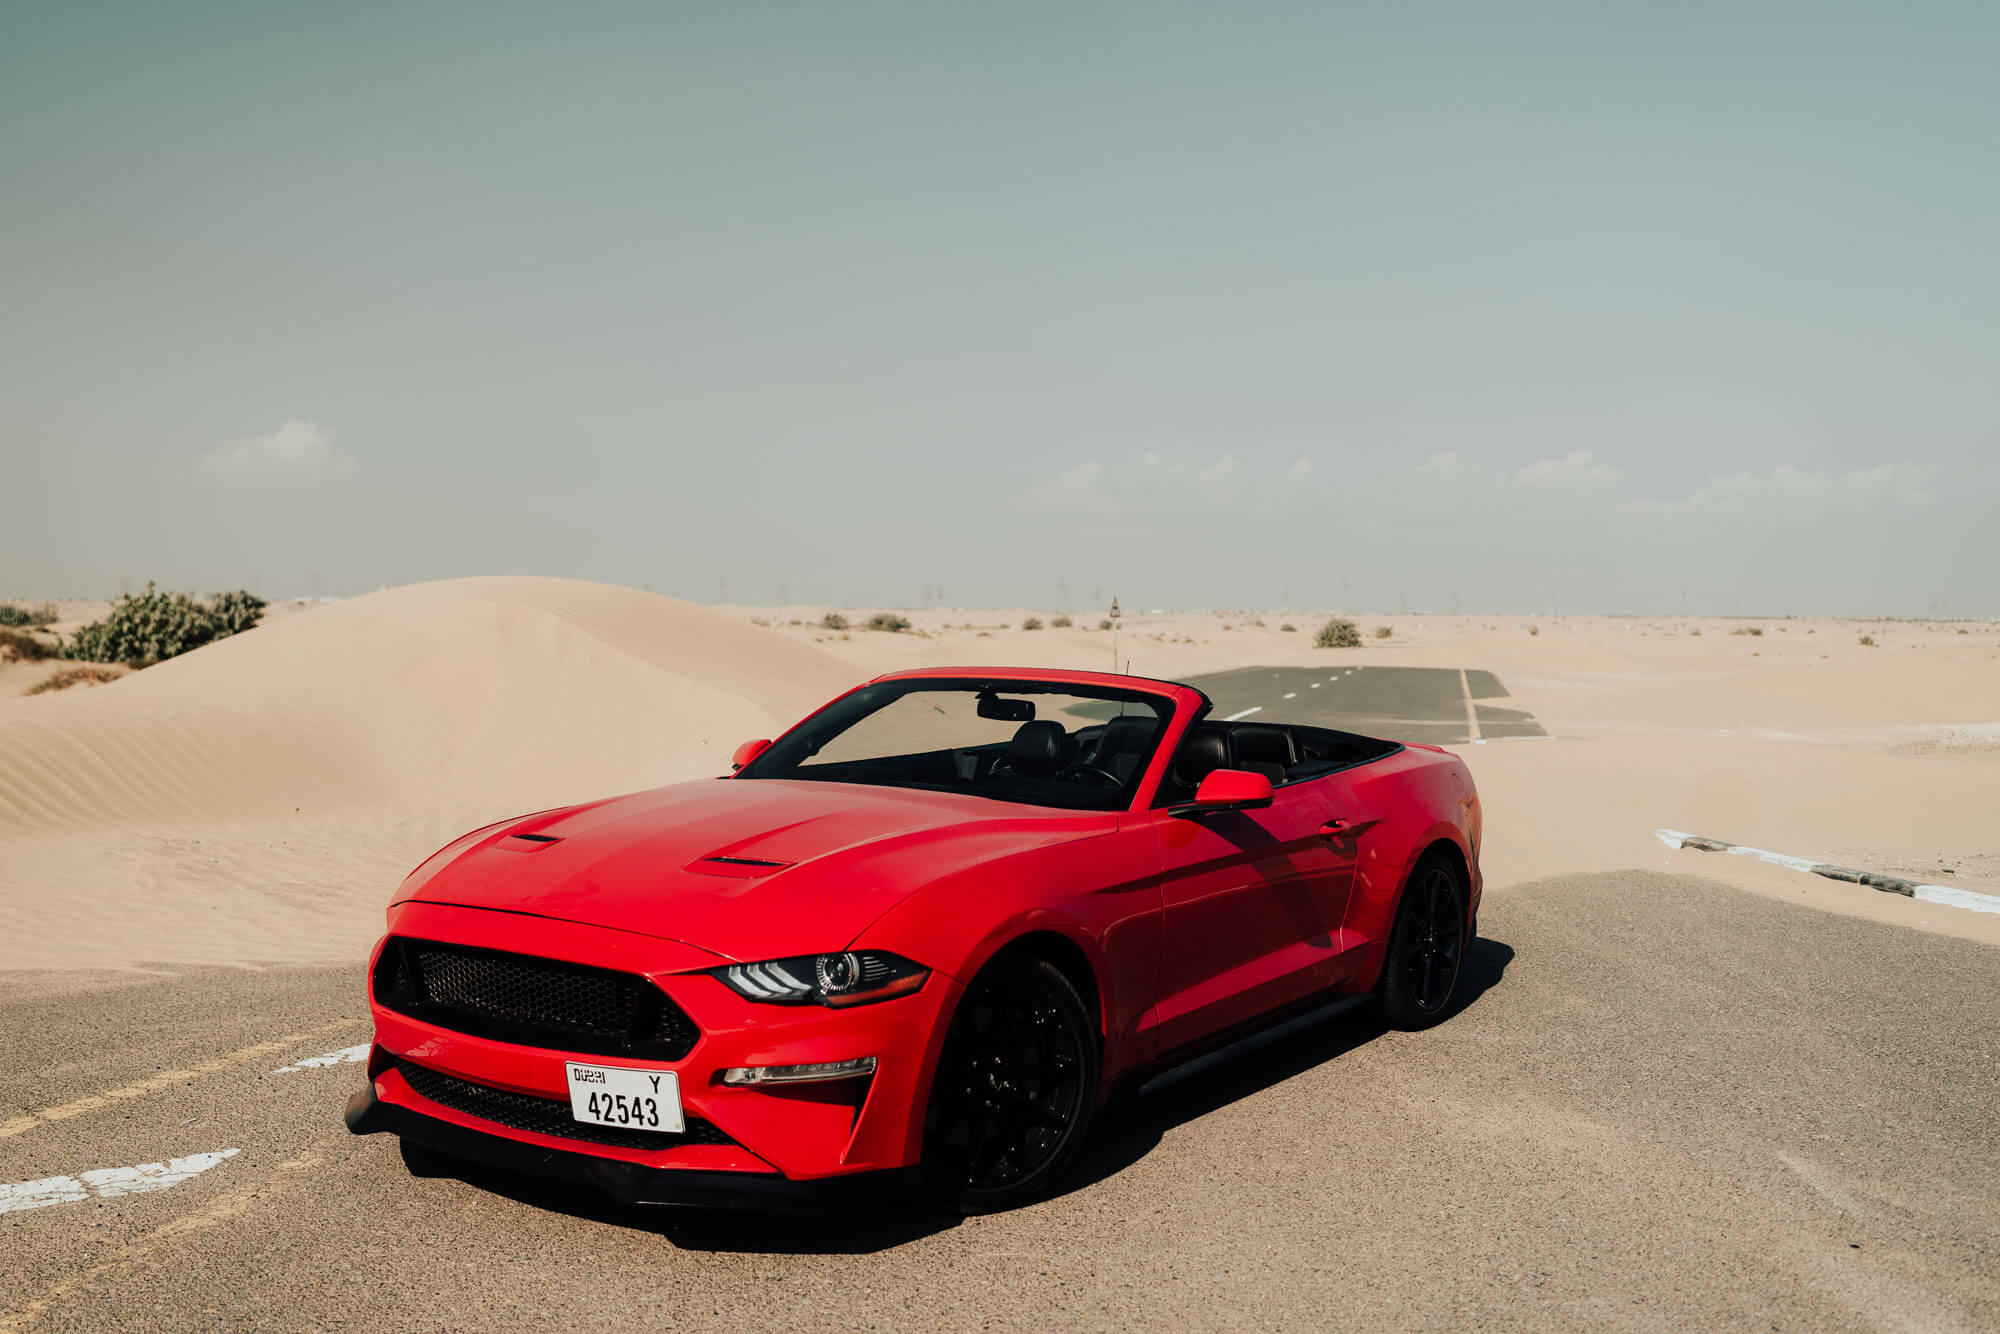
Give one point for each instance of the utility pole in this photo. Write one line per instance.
(1115, 617)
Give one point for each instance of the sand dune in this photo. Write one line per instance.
(457, 695)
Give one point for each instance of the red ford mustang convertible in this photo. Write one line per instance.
(914, 942)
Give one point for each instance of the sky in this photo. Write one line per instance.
(1601, 307)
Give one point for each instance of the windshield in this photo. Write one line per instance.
(1043, 744)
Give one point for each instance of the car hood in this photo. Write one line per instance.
(744, 868)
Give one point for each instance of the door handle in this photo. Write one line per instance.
(1333, 831)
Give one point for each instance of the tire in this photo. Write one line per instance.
(1427, 946)
(1015, 1088)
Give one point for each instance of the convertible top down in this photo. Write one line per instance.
(913, 942)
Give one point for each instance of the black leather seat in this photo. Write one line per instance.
(1263, 749)
(1204, 750)
(1122, 745)
(1036, 750)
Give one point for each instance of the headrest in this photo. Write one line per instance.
(1203, 750)
(1036, 748)
(1265, 744)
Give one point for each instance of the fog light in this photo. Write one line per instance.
(798, 1074)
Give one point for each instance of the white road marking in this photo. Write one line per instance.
(1315, 685)
(1947, 895)
(345, 1056)
(1293, 695)
(1254, 708)
(108, 1182)
(1471, 714)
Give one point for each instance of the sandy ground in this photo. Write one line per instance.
(257, 800)
(1666, 1105)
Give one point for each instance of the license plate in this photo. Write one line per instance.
(609, 1095)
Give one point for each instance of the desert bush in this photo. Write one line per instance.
(1747, 630)
(888, 621)
(73, 676)
(153, 626)
(833, 620)
(28, 618)
(1032, 623)
(1062, 623)
(1383, 632)
(1534, 629)
(1105, 624)
(1338, 633)
(1257, 621)
(1868, 641)
(1289, 628)
(18, 646)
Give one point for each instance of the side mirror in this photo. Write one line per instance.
(748, 751)
(1227, 790)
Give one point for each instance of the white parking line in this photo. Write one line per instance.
(108, 1182)
(1254, 708)
(1293, 695)
(345, 1056)
(1315, 685)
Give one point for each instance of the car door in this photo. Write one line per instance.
(1252, 903)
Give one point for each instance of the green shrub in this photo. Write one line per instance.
(1868, 641)
(1383, 632)
(154, 626)
(889, 621)
(833, 620)
(16, 646)
(1062, 622)
(28, 618)
(1748, 630)
(1032, 623)
(1104, 624)
(1289, 628)
(1338, 633)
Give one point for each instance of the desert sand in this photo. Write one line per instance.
(256, 801)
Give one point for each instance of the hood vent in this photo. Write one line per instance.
(739, 868)
(528, 842)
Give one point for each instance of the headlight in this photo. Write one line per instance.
(850, 977)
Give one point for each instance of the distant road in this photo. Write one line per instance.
(1433, 704)
(1669, 1105)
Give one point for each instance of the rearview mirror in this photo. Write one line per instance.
(1227, 790)
(1006, 710)
(748, 751)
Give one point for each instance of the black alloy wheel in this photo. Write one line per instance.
(1014, 1090)
(1426, 946)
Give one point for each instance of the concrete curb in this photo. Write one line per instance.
(1948, 895)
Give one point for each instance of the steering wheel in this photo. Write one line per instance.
(1079, 772)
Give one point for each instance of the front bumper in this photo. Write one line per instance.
(791, 1144)
(632, 1183)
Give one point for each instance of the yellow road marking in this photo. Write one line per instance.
(219, 1210)
(1471, 714)
(165, 1079)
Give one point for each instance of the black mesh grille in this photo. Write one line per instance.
(544, 1116)
(534, 1002)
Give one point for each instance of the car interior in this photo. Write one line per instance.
(1281, 752)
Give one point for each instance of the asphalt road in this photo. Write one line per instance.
(1438, 705)
(1669, 1105)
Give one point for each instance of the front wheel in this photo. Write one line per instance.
(1014, 1090)
(1426, 946)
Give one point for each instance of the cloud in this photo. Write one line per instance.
(1794, 491)
(1077, 488)
(1446, 466)
(1299, 471)
(298, 453)
(1219, 477)
(1573, 471)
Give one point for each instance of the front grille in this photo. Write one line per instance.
(534, 1002)
(544, 1116)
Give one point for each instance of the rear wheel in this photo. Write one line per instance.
(1426, 946)
(1014, 1090)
